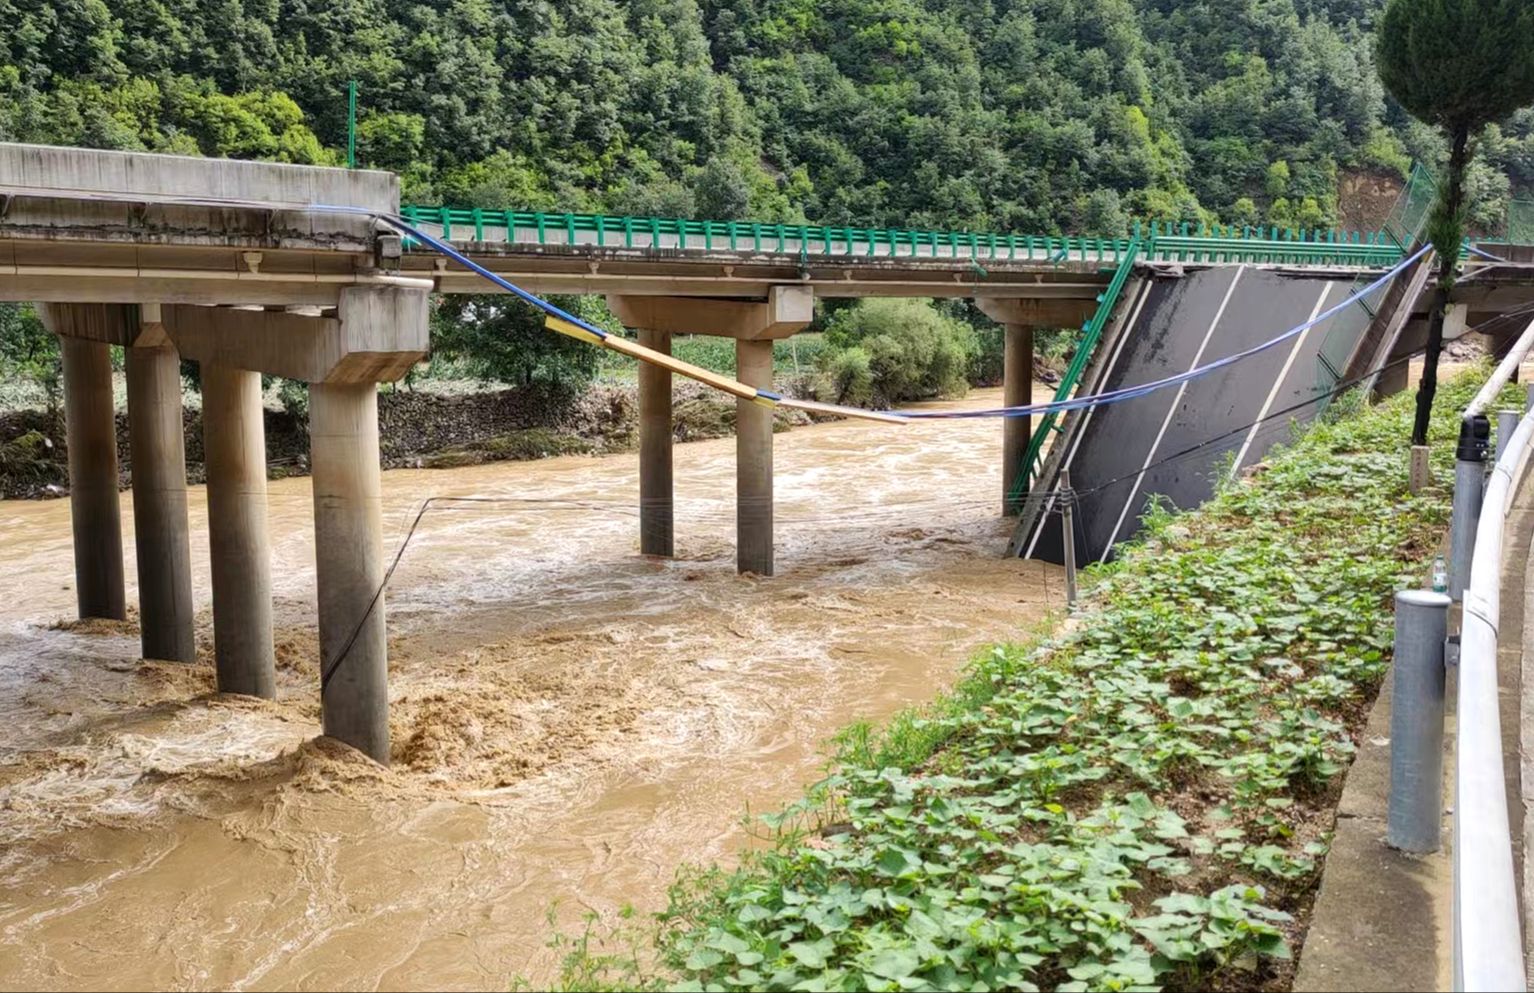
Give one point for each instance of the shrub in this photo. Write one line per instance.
(987, 367)
(851, 377)
(913, 352)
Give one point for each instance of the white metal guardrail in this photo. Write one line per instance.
(1488, 942)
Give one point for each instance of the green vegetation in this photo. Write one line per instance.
(1459, 64)
(1035, 115)
(1140, 802)
(893, 350)
(29, 354)
(1040, 116)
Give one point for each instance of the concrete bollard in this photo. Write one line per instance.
(1469, 486)
(1420, 475)
(1415, 818)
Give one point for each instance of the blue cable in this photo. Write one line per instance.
(1133, 392)
(1074, 403)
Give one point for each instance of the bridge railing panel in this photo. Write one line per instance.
(1164, 241)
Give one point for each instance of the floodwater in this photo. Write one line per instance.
(571, 721)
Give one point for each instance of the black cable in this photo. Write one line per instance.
(1191, 450)
(327, 674)
(1341, 387)
(1073, 496)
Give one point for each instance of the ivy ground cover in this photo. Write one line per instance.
(1142, 802)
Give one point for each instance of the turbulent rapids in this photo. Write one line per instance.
(570, 721)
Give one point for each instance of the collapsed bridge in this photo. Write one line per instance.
(317, 275)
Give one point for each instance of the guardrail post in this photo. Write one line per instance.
(1469, 486)
(1507, 423)
(1415, 820)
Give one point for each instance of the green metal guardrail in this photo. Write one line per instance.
(1092, 332)
(1163, 241)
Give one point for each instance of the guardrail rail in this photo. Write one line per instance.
(1488, 936)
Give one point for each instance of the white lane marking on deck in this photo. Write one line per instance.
(1267, 405)
(1166, 422)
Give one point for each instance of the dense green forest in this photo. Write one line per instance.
(1028, 115)
(1038, 116)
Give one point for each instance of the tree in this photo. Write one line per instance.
(29, 351)
(1460, 65)
(904, 349)
(722, 192)
(501, 339)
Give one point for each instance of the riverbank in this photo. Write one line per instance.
(1144, 801)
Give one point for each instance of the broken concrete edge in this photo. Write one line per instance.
(55, 188)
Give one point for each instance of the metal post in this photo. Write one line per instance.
(1068, 536)
(351, 125)
(1528, 402)
(1416, 722)
(1469, 486)
(1507, 423)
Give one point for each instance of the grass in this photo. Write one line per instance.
(1142, 802)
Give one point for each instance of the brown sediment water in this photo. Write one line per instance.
(571, 721)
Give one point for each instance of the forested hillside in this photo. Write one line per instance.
(1032, 115)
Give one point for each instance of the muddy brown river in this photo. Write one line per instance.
(571, 722)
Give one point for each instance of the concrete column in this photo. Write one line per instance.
(656, 529)
(1017, 391)
(753, 462)
(1390, 382)
(234, 449)
(91, 430)
(348, 541)
(159, 504)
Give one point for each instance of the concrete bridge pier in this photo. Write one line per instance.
(158, 443)
(91, 430)
(349, 566)
(753, 462)
(657, 535)
(755, 325)
(375, 334)
(1019, 319)
(87, 331)
(234, 450)
(1016, 391)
